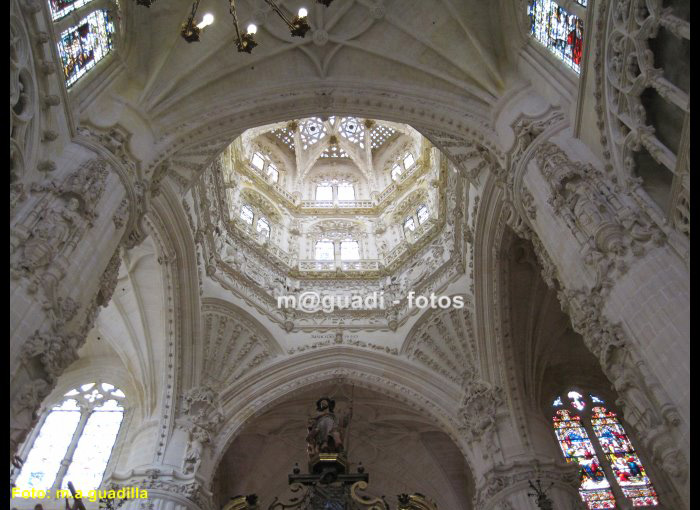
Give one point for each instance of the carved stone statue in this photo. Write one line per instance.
(51, 234)
(326, 431)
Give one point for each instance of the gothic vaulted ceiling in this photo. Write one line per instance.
(441, 47)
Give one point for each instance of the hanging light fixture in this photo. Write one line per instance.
(245, 41)
(190, 30)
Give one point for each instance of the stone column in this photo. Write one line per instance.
(63, 267)
(625, 289)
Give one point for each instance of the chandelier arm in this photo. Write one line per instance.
(195, 6)
(232, 10)
(280, 13)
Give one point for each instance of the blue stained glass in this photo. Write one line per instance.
(82, 46)
(560, 31)
(60, 8)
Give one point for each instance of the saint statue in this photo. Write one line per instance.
(326, 431)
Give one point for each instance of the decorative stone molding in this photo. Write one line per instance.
(41, 244)
(602, 216)
(625, 69)
(505, 479)
(482, 402)
(201, 418)
(167, 489)
(443, 341)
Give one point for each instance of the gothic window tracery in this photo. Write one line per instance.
(379, 135)
(560, 31)
(353, 130)
(311, 131)
(578, 418)
(75, 440)
(286, 136)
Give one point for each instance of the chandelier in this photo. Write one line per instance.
(245, 41)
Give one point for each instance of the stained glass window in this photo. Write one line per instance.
(576, 446)
(60, 8)
(82, 46)
(352, 129)
(628, 469)
(560, 31)
(247, 214)
(79, 433)
(573, 421)
(422, 213)
(349, 250)
(324, 250)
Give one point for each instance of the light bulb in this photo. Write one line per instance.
(303, 12)
(252, 29)
(207, 20)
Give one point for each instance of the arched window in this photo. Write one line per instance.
(606, 459)
(83, 44)
(247, 214)
(349, 250)
(324, 192)
(422, 213)
(409, 224)
(400, 167)
(396, 171)
(265, 167)
(560, 31)
(346, 191)
(324, 250)
(75, 440)
(263, 227)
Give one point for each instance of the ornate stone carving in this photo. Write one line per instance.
(478, 411)
(108, 281)
(603, 217)
(41, 245)
(201, 418)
